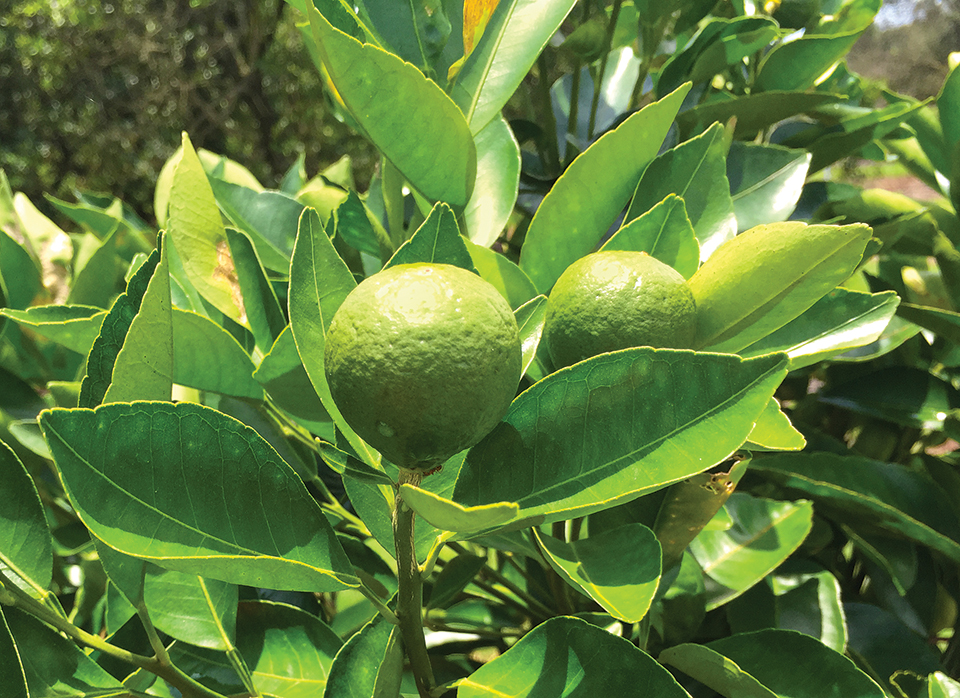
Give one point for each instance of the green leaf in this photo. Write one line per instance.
(765, 182)
(20, 278)
(369, 665)
(769, 275)
(496, 188)
(418, 114)
(809, 601)
(25, 543)
(948, 106)
(753, 112)
(940, 685)
(171, 483)
(530, 318)
(696, 171)
(201, 612)
(596, 434)
(282, 375)
(96, 273)
(196, 230)
(288, 651)
(619, 568)
(53, 665)
(356, 225)
(455, 576)
(798, 64)
(612, 165)
(505, 276)
(664, 232)
(11, 665)
(345, 464)
(74, 326)
(838, 322)
(144, 367)
(447, 515)
(102, 221)
(113, 333)
(518, 30)
(944, 323)
(771, 657)
(437, 241)
(887, 495)
(715, 671)
(207, 357)
(263, 311)
(568, 656)
(269, 218)
(319, 281)
(774, 432)
(765, 532)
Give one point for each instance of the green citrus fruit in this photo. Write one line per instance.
(614, 300)
(422, 361)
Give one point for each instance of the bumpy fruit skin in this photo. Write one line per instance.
(614, 300)
(423, 361)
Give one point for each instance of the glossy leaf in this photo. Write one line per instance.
(150, 479)
(196, 230)
(756, 283)
(797, 64)
(765, 532)
(201, 612)
(74, 326)
(268, 217)
(436, 241)
(765, 182)
(838, 322)
(664, 232)
(612, 165)
(447, 515)
(369, 665)
(207, 357)
(319, 281)
(11, 665)
(113, 333)
(530, 318)
(771, 657)
(901, 501)
(619, 568)
(418, 113)
(939, 685)
(810, 602)
(264, 314)
(518, 30)
(25, 544)
(55, 666)
(695, 171)
(143, 369)
(505, 276)
(498, 180)
(564, 656)
(551, 456)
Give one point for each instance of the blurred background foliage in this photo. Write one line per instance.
(94, 95)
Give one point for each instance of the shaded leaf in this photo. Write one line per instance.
(264, 314)
(201, 612)
(765, 532)
(11, 666)
(612, 165)
(619, 568)
(25, 544)
(369, 665)
(207, 357)
(566, 655)
(548, 455)
(74, 326)
(170, 483)
(753, 112)
(282, 375)
(712, 669)
(96, 273)
(887, 495)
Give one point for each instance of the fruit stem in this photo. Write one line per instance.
(410, 592)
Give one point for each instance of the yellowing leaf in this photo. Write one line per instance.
(476, 14)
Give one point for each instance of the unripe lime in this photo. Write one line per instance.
(614, 300)
(423, 361)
